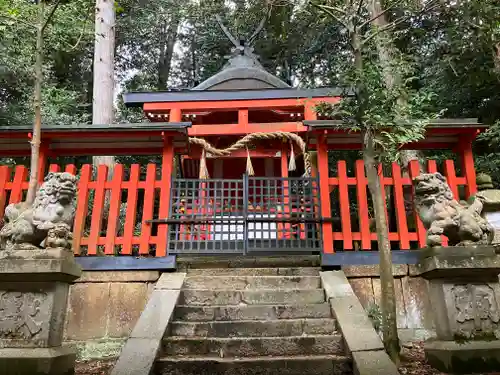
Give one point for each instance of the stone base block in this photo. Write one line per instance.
(464, 358)
(38, 361)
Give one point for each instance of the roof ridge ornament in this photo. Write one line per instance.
(243, 70)
(241, 45)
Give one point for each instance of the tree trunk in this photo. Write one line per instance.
(194, 65)
(37, 126)
(104, 55)
(167, 53)
(388, 300)
(385, 52)
(496, 57)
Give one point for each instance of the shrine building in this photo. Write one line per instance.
(246, 166)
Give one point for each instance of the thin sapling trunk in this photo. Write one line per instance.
(37, 126)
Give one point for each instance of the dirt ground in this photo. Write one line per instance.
(94, 367)
(412, 363)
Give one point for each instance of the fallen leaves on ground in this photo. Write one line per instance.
(102, 367)
(413, 361)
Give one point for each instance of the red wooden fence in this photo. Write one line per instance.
(395, 185)
(98, 229)
(117, 227)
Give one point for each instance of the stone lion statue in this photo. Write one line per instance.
(441, 214)
(48, 222)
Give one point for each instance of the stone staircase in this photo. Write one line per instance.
(253, 321)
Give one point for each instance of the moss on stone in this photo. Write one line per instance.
(479, 336)
(99, 349)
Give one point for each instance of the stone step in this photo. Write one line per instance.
(205, 297)
(253, 328)
(247, 261)
(251, 312)
(254, 346)
(273, 271)
(252, 282)
(299, 365)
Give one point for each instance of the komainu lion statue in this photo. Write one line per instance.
(48, 222)
(441, 214)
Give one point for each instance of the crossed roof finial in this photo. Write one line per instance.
(241, 44)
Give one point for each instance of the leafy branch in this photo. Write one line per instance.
(392, 25)
(15, 19)
(51, 14)
(330, 11)
(377, 16)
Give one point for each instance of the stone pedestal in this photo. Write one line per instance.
(464, 291)
(34, 286)
(491, 210)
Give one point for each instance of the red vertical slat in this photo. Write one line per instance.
(97, 209)
(467, 160)
(345, 212)
(128, 230)
(4, 178)
(380, 172)
(243, 120)
(81, 207)
(432, 166)
(451, 177)
(42, 161)
(363, 212)
(404, 240)
(20, 176)
(166, 183)
(147, 213)
(114, 209)
(54, 168)
(324, 190)
(421, 232)
(71, 168)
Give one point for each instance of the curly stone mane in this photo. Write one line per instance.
(442, 215)
(57, 187)
(51, 215)
(432, 188)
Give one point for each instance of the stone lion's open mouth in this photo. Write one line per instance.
(423, 187)
(67, 190)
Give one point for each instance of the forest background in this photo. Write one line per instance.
(454, 49)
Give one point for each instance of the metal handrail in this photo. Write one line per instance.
(235, 220)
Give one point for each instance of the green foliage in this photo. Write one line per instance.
(66, 65)
(447, 58)
(393, 122)
(375, 314)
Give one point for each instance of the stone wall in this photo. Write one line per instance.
(103, 308)
(414, 313)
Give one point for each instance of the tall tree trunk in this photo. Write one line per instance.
(167, 53)
(37, 101)
(496, 57)
(104, 55)
(385, 51)
(194, 65)
(388, 300)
